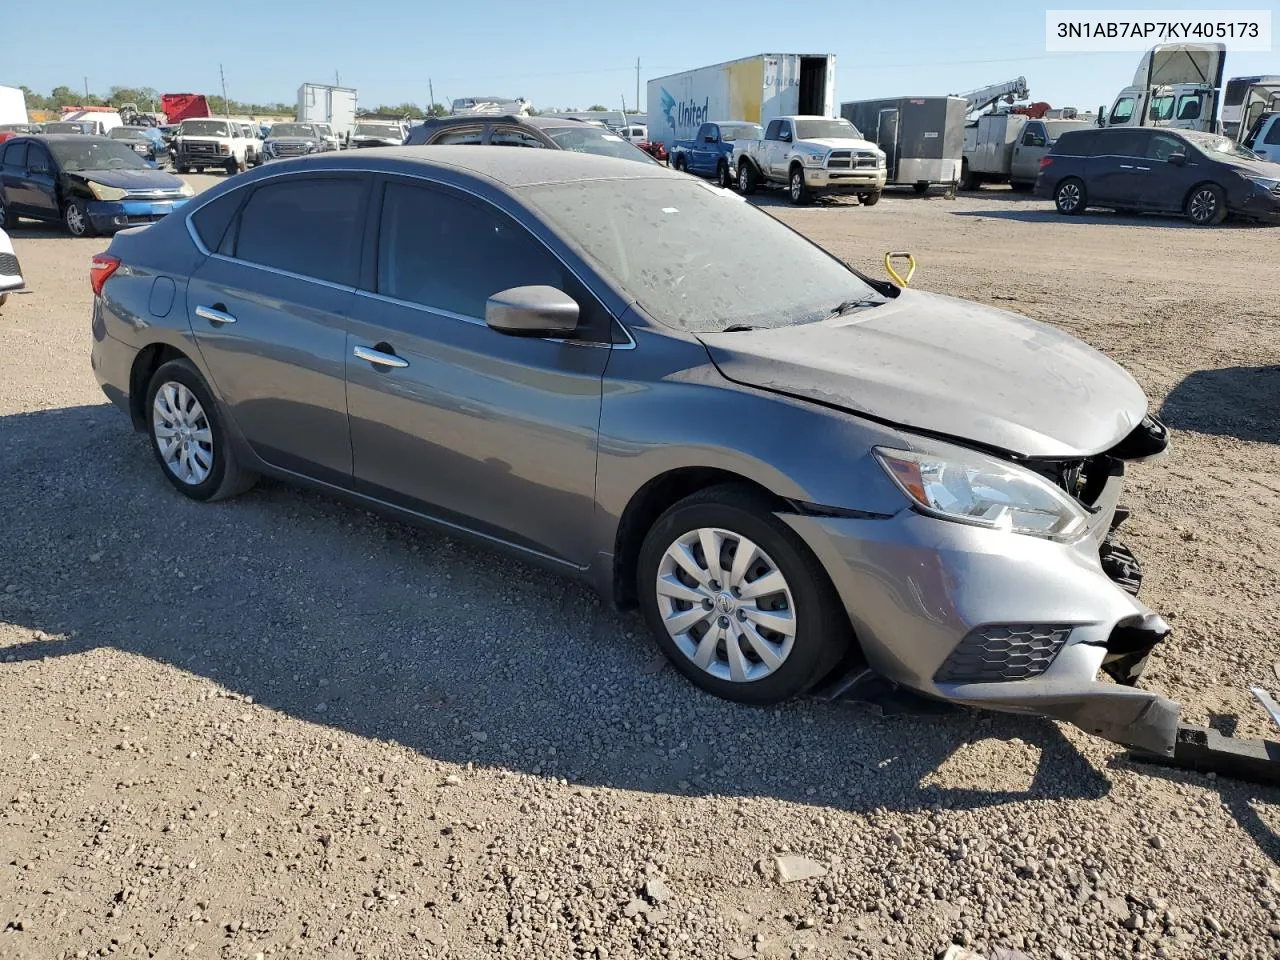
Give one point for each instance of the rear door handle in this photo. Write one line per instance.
(1148, 169)
(1126, 166)
(379, 358)
(215, 314)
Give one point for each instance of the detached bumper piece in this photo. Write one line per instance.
(1207, 751)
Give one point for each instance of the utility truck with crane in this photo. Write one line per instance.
(1005, 142)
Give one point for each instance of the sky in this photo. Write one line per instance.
(573, 53)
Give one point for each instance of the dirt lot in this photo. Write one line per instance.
(285, 727)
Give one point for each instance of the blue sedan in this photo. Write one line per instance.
(92, 184)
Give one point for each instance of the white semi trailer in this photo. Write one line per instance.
(757, 89)
(323, 103)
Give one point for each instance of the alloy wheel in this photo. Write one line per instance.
(1068, 197)
(76, 222)
(183, 434)
(797, 185)
(1203, 206)
(726, 605)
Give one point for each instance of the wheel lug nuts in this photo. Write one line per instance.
(724, 621)
(742, 614)
(706, 604)
(715, 585)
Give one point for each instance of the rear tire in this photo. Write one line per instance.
(764, 665)
(204, 467)
(1020, 186)
(921, 187)
(679, 163)
(1070, 197)
(968, 179)
(723, 180)
(746, 178)
(1207, 205)
(797, 189)
(869, 199)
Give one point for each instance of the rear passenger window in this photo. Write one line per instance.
(1163, 146)
(511, 137)
(312, 227)
(463, 137)
(211, 220)
(1273, 135)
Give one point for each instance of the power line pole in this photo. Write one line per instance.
(226, 106)
(637, 83)
(337, 80)
(86, 91)
(431, 92)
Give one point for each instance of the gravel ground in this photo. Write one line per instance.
(285, 727)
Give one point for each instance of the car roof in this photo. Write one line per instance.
(63, 137)
(510, 167)
(541, 123)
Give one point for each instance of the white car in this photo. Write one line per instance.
(253, 144)
(10, 271)
(331, 138)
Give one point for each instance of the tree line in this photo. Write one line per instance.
(148, 101)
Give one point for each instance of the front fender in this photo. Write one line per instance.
(665, 407)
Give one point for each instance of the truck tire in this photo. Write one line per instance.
(184, 170)
(869, 199)
(968, 179)
(797, 189)
(746, 178)
(921, 187)
(723, 180)
(679, 162)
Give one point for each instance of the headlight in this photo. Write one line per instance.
(881, 160)
(983, 491)
(187, 191)
(102, 192)
(1266, 183)
(311, 147)
(815, 159)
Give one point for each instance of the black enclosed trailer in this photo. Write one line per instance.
(922, 137)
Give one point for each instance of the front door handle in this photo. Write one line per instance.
(1148, 169)
(215, 314)
(379, 358)
(1126, 166)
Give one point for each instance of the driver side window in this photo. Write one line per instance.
(1034, 136)
(38, 160)
(1123, 111)
(1162, 147)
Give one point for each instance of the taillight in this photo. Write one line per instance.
(1045, 161)
(100, 270)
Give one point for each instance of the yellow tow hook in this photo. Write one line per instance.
(900, 255)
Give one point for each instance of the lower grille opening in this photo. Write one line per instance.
(999, 652)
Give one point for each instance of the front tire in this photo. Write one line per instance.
(188, 437)
(968, 179)
(797, 189)
(736, 600)
(723, 180)
(77, 220)
(7, 219)
(746, 178)
(1207, 205)
(869, 199)
(921, 187)
(679, 163)
(1070, 197)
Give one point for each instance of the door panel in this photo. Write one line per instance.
(280, 366)
(1166, 184)
(1120, 168)
(1031, 146)
(887, 138)
(492, 432)
(39, 191)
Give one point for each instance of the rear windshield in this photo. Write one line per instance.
(582, 138)
(741, 131)
(377, 130)
(128, 133)
(65, 127)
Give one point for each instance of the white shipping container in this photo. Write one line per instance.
(13, 105)
(323, 103)
(755, 88)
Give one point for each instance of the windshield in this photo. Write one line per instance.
(1218, 147)
(19, 127)
(128, 133)
(294, 130)
(377, 130)
(824, 128)
(695, 257)
(206, 128)
(95, 154)
(741, 131)
(588, 139)
(63, 128)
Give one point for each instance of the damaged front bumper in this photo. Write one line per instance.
(1005, 622)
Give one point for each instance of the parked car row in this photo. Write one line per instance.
(1206, 177)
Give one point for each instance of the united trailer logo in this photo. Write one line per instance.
(683, 113)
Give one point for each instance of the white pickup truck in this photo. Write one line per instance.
(211, 142)
(812, 155)
(1264, 138)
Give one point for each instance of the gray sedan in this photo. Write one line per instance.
(635, 378)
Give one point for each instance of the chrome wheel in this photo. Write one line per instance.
(1068, 197)
(797, 185)
(726, 605)
(1204, 206)
(76, 222)
(183, 434)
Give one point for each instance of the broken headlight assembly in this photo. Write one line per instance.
(968, 487)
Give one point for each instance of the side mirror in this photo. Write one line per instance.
(1178, 159)
(1102, 116)
(538, 311)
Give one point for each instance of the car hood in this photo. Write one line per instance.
(293, 140)
(839, 143)
(149, 179)
(946, 367)
(1250, 168)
